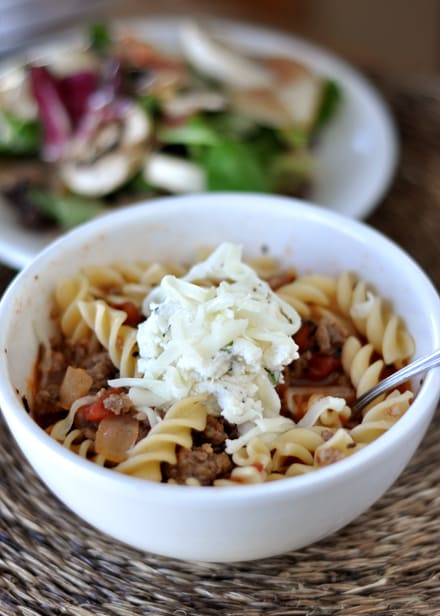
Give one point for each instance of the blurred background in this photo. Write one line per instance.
(396, 37)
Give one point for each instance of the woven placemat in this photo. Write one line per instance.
(386, 562)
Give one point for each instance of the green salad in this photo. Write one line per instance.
(119, 120)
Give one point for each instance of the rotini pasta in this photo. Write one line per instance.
(131, 282)
(68, 294)
(84, 447)
(381, 416)
(308, 291)
(374, 319)
(294, 451)
(108, 326)
(357, 362)
(295, 420)
(243, 475)
(160, 444)
(337, 447)
(73, 438)
(255, 453)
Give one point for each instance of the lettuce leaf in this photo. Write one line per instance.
(67, 210)
(234, 166)
(331, 97)
(99, 37)
(196, 131)
(18, 136)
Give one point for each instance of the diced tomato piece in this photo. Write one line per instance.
(258, 466)
(96, 410)
(320, 366)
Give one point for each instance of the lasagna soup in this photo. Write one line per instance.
(228, 372)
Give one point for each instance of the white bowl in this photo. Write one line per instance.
(231, 523)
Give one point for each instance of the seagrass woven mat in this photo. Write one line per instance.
(386, 562)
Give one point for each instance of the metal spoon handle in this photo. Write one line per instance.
(399, 377)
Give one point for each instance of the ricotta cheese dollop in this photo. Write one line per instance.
(219, 330)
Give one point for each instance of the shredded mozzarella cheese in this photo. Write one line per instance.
(220, 330)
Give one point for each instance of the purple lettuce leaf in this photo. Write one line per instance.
(52, 112)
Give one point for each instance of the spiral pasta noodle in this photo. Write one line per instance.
(358, 364)
(84, 447)
(243, 475)
(119, 339)
(339, 446)
(69, 292)
(308, 290)
(298, 444)
(381, 416)
(72, 438)
(123, 282)
(103, 276)
(265, 266)
(373, 319)
(160, 444)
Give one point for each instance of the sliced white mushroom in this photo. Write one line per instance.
(164, 83)
(285, 69)
(173, 174)
(15, 94)
(137, 127)
(99, 165)
(301, 98)
(75, 60)
(188, 103)
(217, 60)
(102, 177)
(261, 105)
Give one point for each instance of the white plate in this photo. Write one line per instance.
(356, 155)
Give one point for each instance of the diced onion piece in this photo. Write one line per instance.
(76, 384)
(174, 174)
(214, 59)
(115, 436)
